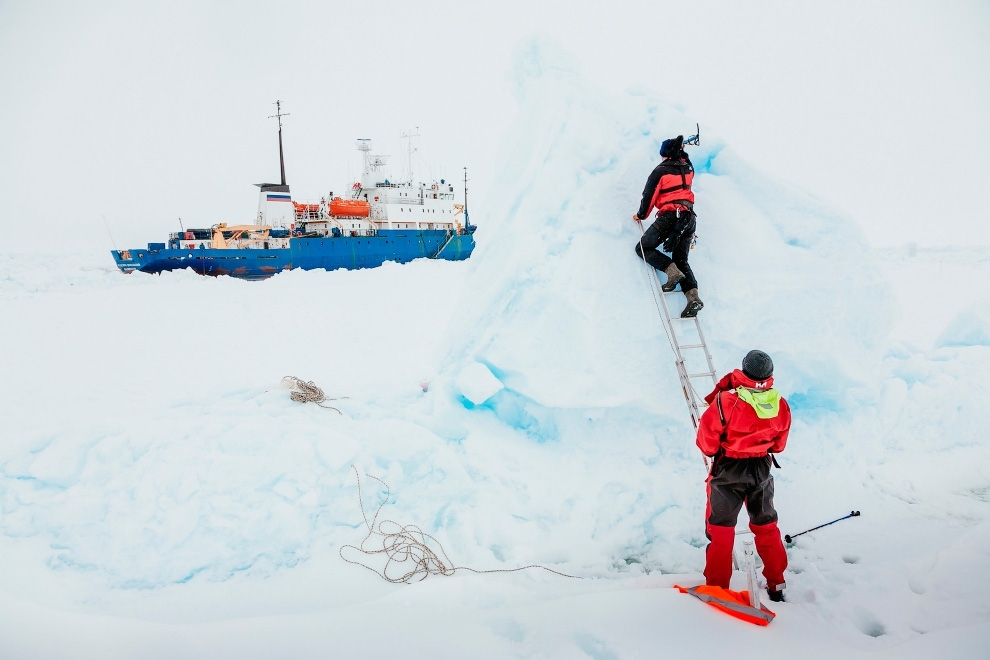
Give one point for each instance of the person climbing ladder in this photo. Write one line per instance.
(668, 190)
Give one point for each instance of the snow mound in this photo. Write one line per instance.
(560, 307)
(969, 328)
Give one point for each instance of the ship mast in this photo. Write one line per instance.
(279, 114)
(467, 220)
(409, 135)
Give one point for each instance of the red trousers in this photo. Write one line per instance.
(732, 483)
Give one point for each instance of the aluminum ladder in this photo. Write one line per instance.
(691, 396)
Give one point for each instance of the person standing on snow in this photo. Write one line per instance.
(668, 190)
(747, 421)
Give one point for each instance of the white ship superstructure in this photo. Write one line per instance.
(390, 205)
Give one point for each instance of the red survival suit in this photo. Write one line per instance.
(740, 429)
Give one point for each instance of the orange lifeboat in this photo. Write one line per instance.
(350, 208)
(303, 208)
(306, 211)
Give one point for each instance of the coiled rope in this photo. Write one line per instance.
(407, 548)
(307, 392)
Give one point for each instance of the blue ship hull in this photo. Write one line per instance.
(329, 253)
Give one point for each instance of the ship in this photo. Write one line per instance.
(374, 222)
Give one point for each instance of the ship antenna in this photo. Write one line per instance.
(279, 114)
(409, 135)
(467, 220)
(112, 242)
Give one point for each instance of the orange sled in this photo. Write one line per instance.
(734, 603)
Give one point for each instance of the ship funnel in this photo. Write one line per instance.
(275, 205)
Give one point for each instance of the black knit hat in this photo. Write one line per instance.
(757, 365)
(672, 148)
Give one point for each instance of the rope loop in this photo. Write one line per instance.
(409, 551)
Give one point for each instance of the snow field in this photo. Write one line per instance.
(156, 482)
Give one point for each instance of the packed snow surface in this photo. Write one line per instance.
(162, 496)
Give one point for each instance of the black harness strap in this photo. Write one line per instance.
(683, 186)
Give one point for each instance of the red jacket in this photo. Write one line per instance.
(669, 183)
(674, 187)
(742, 434)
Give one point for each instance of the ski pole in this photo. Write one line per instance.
(788, 538)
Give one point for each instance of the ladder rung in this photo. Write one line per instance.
(692, 346)
(707, 373)
(683, 318)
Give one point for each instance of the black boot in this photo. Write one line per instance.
(694, 304)
(674, 275)
(775, 596)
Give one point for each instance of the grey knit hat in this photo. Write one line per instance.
(757, 365)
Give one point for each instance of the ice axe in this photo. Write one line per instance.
(790, 539)
(694, 139)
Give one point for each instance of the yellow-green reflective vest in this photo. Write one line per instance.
(766, 403)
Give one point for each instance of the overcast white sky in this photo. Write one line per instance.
(146, 112)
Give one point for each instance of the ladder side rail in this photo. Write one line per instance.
(708, 354)
(678, 357)
(682, 375)
(690, 396)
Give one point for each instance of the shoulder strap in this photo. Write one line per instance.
(721, 413)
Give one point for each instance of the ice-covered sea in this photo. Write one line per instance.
(162, 496)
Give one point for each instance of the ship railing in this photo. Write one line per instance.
(189, 245)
